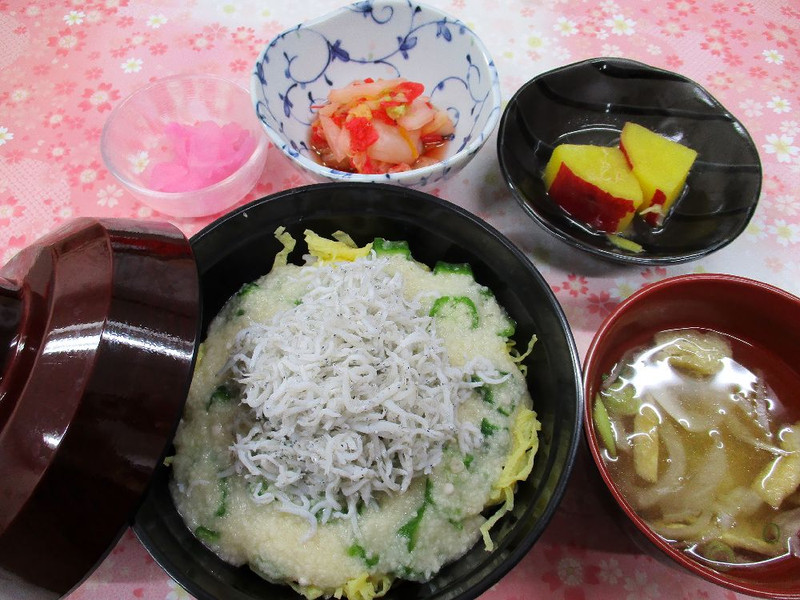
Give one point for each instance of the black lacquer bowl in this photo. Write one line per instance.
(588, 103)
(240, 247)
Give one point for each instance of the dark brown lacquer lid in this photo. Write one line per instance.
(98, 326)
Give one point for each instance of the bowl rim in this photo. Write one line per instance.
(422, 173)
(257, 155)
(608, 254)
(592, 356)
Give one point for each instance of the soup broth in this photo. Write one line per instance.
(703, 448)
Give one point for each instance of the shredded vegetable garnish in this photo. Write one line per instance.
(364, 587)
(524, 444)
(624, 243)
(517, 357)
(285, 238)
(343, 248)
(351, 391)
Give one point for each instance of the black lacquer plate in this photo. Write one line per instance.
(241, 246)
(588, 103)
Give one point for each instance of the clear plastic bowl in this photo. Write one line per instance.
(135, 139)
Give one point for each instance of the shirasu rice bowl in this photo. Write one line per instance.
(351, 420)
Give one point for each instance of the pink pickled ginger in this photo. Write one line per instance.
(201, 155)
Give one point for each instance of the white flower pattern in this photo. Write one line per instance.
(109, 196)
(139, 161)
(621, 25)
(132, 65)
(773, 57)
(784, 233)
(565, 27)
(74, 17)
(156, 21)
(782, 146)
(779, 105)
(5, 135)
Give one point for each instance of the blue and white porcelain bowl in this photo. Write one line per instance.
(378, 39)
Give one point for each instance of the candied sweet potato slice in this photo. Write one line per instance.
(660, 164)
(594, 184)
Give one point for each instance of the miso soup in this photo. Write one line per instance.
(701, 446)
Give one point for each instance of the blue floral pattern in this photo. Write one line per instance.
(378, 39)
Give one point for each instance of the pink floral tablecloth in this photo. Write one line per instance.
(65, 63)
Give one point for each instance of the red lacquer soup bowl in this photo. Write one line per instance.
(763, 323)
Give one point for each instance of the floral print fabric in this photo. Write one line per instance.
(64, 64)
